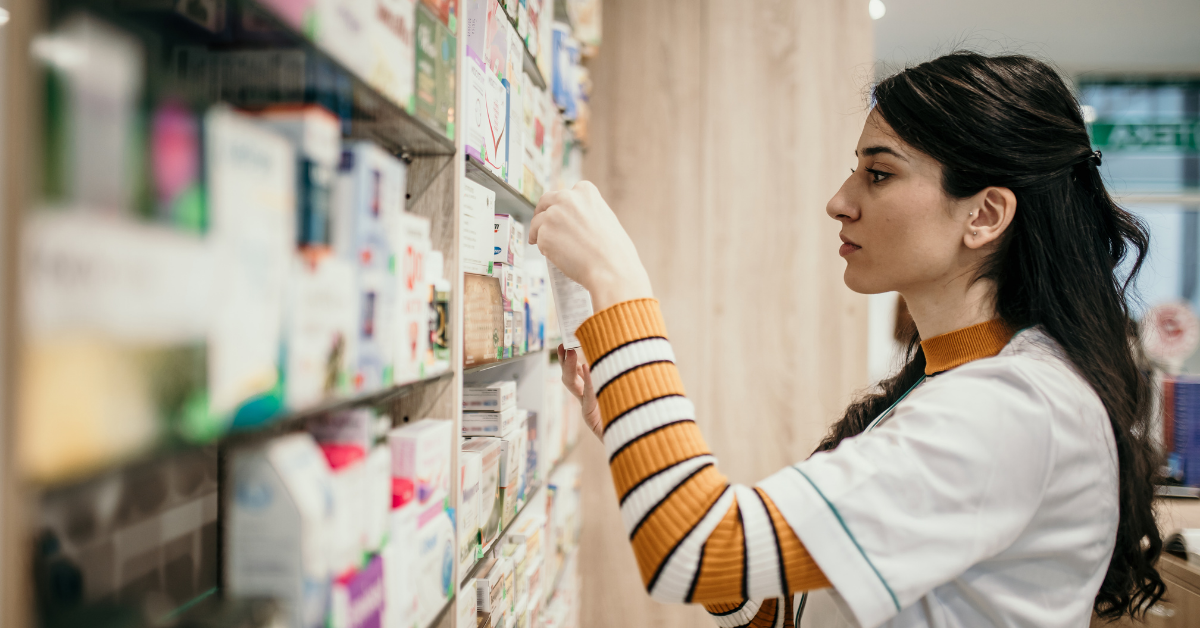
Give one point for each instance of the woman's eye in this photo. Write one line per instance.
(878, 176)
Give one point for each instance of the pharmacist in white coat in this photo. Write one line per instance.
(1003, 477)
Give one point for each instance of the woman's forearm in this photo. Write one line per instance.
(697, 538)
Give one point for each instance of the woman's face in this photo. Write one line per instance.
(900, 231)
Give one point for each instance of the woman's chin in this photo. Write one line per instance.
(863, 283)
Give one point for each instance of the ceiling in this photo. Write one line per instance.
(1098, 37)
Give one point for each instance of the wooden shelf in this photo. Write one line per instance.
(280, 424)
(508, 199)
(505, 362)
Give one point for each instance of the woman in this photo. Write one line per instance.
(1004, 476)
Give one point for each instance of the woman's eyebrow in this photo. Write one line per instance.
(871, 151)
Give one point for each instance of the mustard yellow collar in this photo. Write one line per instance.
(958, 347)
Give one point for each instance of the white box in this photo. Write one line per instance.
(368, 202)
(392, 38)
(278, 521)
(348, 536)
(421, 460)
(489, 423)
(379, 497)
(494, 397)
(399, 568)
(478, 234)
(496, 139)
(489, 485)
(437, 551)
(320, 327)
(469, 477)
(251, 178)
(504, 238)
(512, 452)
(466, 606)
(412, 246)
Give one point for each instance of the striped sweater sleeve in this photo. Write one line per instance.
(697, 538)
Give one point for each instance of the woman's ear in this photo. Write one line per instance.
(990, 212)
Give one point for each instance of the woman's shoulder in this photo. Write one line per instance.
(1035, 359)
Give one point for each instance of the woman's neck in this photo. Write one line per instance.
(941, 309)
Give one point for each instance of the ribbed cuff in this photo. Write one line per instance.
(958, 347)
(619, 325)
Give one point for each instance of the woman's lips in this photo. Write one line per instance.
(848, 247)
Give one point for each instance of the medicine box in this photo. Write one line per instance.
(489, 423)
(320, 327)
(421, 459)
(412, 247)
(512, 457)
(437, 553)
(493, 397)
(478, 232)
(280, 516)
(506, 231)
(399, 568)
(391, 35)
(483, 320)
(489, 483)
(470, 475)
(572, 303)
(316, 135)
(251, 191)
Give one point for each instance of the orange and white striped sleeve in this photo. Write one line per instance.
(697, 538)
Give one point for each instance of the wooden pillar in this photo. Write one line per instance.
(720, 130)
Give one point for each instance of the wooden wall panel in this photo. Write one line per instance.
(719, 132)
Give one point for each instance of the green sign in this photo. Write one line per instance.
(1162, 136)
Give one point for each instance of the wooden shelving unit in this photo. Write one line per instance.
(437, 167)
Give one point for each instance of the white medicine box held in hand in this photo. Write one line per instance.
(572, 303)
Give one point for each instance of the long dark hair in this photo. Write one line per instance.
(1011, 121)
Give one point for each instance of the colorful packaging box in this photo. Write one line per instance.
(421, 461)
(506, 230)
(412, 246)
(437, 553)
(368, 203)
(483, 320)
(436, 57)
(315, 134)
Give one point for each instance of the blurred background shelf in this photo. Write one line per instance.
(290, 69)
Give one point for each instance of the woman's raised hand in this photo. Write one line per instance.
(578, 232)
(577, 377)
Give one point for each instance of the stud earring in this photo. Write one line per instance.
(974, 233)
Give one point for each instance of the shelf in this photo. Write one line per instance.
(530, 64)
(508, 199)
(474, 570)
(370, 114)
(282, 423)
(292, 420)
(505, 362)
